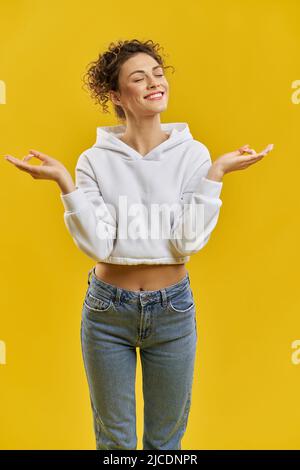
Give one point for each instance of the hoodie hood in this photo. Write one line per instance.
(108, 138)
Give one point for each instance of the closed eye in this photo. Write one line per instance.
(143, 79)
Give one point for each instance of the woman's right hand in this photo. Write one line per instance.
(50, 169)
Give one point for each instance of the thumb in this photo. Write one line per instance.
(238, 152)
(245, 149)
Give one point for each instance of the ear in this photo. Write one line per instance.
(114, 97)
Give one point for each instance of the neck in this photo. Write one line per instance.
(144, 134)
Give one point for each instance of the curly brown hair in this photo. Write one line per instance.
(103, 73)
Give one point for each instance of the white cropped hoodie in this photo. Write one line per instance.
(132, 209)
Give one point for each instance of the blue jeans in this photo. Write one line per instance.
(162, 323)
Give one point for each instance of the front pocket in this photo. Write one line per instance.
(97, 304)
(182, 302)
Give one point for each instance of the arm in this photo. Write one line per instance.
(199, 210)
(87, 217)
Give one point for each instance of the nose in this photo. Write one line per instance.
(152, 88)
(152, 82)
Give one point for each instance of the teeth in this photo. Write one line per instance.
(153, 96)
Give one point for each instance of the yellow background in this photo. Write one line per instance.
(235, 63)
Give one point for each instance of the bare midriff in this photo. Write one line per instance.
(140, 276)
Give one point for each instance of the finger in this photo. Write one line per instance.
(266, 150)
(243, 148)
(251, 151)
(269, 147)
(246, 149)
(237, 153)
(256, 156)
(23, 166)
(40, 155)
(9, 158)
(253, 157)
(28, 157)
(15, 160)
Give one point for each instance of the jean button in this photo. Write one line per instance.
(144, 298)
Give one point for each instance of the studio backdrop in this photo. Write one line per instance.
(236, 81)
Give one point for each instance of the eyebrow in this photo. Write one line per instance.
(143, 71)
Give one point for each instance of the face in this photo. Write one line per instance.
(139, 76)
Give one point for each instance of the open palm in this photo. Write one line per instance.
(49, 169)
(241, 158)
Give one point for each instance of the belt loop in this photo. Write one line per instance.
(89, 274)
(164, 297)
(118, 293)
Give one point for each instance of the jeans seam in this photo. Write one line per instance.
(183, 421)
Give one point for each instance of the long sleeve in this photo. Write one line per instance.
(87, 217)
(199, 210)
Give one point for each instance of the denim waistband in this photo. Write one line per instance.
(117, 293)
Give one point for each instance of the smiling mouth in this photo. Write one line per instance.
(155, 96)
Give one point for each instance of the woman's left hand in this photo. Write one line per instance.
(240, 159)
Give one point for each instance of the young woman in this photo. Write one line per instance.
(139, 293)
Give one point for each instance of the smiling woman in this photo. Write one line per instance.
(107, 74)
(139, 292)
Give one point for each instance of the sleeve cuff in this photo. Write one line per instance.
(210, 187)
(74, 201)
